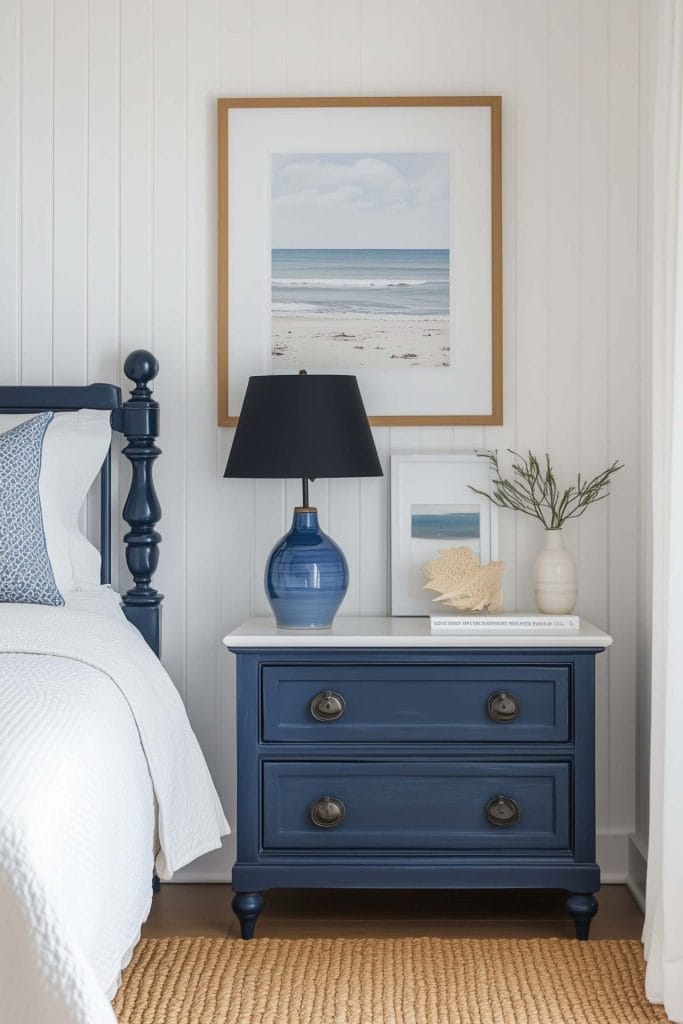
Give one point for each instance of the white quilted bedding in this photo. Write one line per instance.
(93, 741)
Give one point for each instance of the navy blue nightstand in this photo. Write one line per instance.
(375, 755)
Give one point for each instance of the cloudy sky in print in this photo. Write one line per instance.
(360, 200)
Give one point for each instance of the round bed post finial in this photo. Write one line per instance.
(142, 511)
(141, 367)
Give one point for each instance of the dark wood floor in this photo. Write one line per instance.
(205, 910)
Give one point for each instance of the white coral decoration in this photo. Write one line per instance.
(463, 582)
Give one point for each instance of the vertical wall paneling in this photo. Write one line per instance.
(103, 355)
(648, 64)
(375, 47)
(323, 60)
(202, 508)
(235, 34)
(70, 184)
(36, 191)
(345, 48)
(10, 192)
(136, 217)
(500, 78)
(373, 539)
(170, 324)
(103, 190)
(267, 45)
(345, 527)
(107, 243)
(532, 197)
(234, 558)
(232, 582)
(592, 352)
(468, 46)
(467, 70)
(562, 324)
(563, 390)
(292, 498)
(405, 41)
(623, 395)
(300, 48)
(270, 519)
(436, 38)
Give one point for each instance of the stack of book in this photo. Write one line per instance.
(508, 622)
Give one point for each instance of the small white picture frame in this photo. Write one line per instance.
(432, 508)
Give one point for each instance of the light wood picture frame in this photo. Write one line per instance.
(364, 235)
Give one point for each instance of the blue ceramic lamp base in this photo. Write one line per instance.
(306, 575)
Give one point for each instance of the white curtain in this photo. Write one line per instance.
(663, 934)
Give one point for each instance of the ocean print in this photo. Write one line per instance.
(433, 528)
(360, 262)
(363, 282)
(432, 522)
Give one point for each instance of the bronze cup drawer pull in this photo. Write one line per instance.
(502, 811)
(502, 707)
(328, 706)
(328, 812)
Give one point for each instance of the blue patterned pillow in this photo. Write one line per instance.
(26, 575)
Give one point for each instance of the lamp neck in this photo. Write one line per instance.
(305, 520)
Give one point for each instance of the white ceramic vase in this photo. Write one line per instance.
(555, 576)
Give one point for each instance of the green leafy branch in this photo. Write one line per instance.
(533, 489)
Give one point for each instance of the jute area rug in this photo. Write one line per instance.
(385, 981)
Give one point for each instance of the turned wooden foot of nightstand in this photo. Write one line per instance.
(247, 906)
(583, 907)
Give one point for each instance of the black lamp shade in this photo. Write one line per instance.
(304, 425)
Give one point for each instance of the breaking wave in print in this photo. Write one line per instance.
(370, 282)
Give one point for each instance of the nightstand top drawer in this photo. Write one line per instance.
(438, 806)
(377, 631)
(376, 703)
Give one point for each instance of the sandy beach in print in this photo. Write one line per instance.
(360, 261)
(371, 342)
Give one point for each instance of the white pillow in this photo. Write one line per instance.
(74, 448)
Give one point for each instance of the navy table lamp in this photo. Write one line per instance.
(305, 426)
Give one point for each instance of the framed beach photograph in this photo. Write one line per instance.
(432, 508)
(363, 236)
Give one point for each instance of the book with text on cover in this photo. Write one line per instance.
(510, 622)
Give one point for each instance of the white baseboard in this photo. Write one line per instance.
(614, 858)
(637, 869)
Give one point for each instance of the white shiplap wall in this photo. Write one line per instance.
(107, 242)
(649, 24)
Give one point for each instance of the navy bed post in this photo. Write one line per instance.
(138, 419)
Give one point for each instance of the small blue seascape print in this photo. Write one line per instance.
(437, 522)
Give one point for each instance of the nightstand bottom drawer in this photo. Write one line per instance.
(447, 805)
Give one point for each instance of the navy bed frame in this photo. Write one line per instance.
(138, 420)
